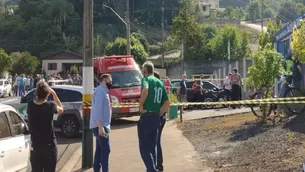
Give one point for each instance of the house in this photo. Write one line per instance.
(207, 5)
(61, 61)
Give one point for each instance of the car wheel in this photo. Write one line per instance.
(208, 106)
(70, 127)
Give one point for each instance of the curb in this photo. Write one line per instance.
(72, 162)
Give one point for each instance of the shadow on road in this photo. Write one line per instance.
(249, 130)
(62, 140)
(115, 124)
(296, 124)
(123, 123)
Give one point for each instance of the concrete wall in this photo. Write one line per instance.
(205, 67)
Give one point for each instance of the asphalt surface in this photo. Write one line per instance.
(7, 99)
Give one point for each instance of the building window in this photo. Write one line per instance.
(204, 8)
(52, 66)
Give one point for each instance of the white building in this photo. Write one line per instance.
(61, 62)
(207, 5)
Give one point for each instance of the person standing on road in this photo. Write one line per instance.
(40, 112)
(236, 82)
(159, 147)
(227, 86)
(100, 120)
(182, 91)
(153, 104)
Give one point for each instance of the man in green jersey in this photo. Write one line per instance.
(153, 103)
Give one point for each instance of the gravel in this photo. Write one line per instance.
(240, 143)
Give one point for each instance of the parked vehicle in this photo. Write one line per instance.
(70, 122)
(210, 96)
(207, 85)
(14, 140)
(222, 97)
(5, 88)
(126, 82)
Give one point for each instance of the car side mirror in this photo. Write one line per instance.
(25, 129)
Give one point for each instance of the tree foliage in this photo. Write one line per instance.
(23, 63)
(118, 47)
(262, 74)
(239, 44)
(5, 61)
(298, 42)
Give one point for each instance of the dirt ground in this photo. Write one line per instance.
(240, 143)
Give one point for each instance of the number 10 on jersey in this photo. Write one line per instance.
(158, 95)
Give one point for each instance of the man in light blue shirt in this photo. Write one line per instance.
(100, 119)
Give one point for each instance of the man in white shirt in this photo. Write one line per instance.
(227, 85)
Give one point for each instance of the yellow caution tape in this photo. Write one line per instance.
(205, 79)
(289, 100)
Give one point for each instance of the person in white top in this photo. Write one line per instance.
(227, 85)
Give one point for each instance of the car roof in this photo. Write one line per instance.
(69, 87)
(6, 107)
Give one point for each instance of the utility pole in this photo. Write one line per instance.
(87, 138)
(163, 36)
(229, 56)
(182, 58)
(128, 28)
(262, 13)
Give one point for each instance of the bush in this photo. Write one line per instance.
(154, 49)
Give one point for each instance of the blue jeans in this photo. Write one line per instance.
(21, 90)
(101, 156)
(159, 148)
(148, 127)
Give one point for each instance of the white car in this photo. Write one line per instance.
(5, 88)
(15, 140)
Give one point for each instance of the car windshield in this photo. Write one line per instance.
(1, 83)
(125, 79)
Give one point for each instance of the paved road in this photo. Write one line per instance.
(254, 26)
(7, 99)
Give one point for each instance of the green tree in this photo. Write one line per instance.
(142, 39)
(239, 44)
(118, 47)
(188, 31)
(5, 61)
(262, 74)
(298, 42)
(23, 63)
(288, 12)
(269, 37)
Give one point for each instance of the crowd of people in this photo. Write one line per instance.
(22, 83)
(153, 106)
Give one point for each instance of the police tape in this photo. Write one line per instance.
(205, 79)
(290, 100)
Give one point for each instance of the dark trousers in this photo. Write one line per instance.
(159, 147)
(148, 127)
(228, 94)
(235, 92)
(44, 159)
(102, 151)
